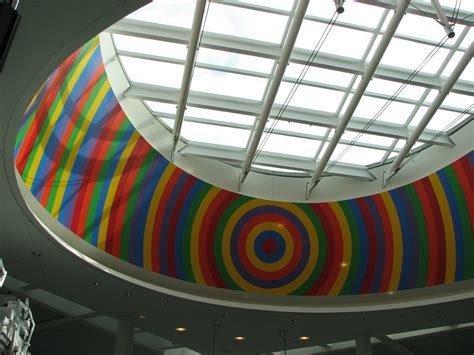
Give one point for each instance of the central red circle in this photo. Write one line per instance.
(269, 246)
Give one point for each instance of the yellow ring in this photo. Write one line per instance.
(256, 261)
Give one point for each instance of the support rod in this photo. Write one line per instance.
(188, 71)
(379, 52)
(124, 340)
(274, 86)
(442, 18)
(466, 58)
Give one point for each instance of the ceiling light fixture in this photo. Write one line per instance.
(141, 316)
(304, 338)
(96, 283)
(239, 338)
(36, 253)
(181, 329)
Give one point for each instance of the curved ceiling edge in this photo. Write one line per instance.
(93, 172)
(299, 304)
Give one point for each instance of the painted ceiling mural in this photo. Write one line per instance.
(86, 164)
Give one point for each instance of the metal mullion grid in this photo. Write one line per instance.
(349, 90)
(269, 50)
(268, 76)
(282, 132)
(275, 64)
(323, 20)
(421, 101)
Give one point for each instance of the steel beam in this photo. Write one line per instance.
(442, 18)
(379, 52)
(188, 71)
(292, 114)
(272, 51)
(274, 86)
(268, 159)
(466, 58)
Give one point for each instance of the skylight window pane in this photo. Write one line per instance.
(152, 72)
(234, 21)
(341, 41)
(355, 13)
(421, 27)
(368, 139)
(277, 169)
(204, 133)
(459, 101)
(280, 4)
(161, 107)
(357, 155)
(443, 118)
(149, 46)
(396, 112)
(169, 12)
(301, 147)
(310, 97)
(319, 75)
(168, 122)
(235, 60)
(297, 128)
(468, 39)
(398, 50)
(221, 83)
(219, 115)
(464, 5)
(388, 87)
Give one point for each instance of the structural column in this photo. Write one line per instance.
(124, 342)
(363, 345)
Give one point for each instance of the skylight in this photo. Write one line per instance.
(239, 48)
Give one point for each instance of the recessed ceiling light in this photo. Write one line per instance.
(344, 264)
(239, 338)
(128, 294)
(304, 337)
(36, 253)
(141, 316)
(96, 283)
(391, 292)
(181, 329)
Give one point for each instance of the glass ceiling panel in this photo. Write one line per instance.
(169, 12)
(310, 97)
(297, 127)
(218, 82)
(457, 100)
(387, 87)
(319, 75)
(355, 13)
(396, 55)
(149, 46)
(357, 155)
(341, 41)
(280, 4)
(152, 72)
(235, 60)
(234, 21)
(396, 112)
(222, 116)
(277, 169)
(465, 5)
(368, 139)
(441, 119)
(421, 27)
(468, 39)
(204, 133)
(301, 147)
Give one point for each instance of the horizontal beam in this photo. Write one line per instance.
(291, 114)
(268, 159)
(273, 51)
(306, 82)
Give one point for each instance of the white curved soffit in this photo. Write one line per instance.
(216, 296)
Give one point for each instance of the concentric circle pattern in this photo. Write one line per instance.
(87, 165)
